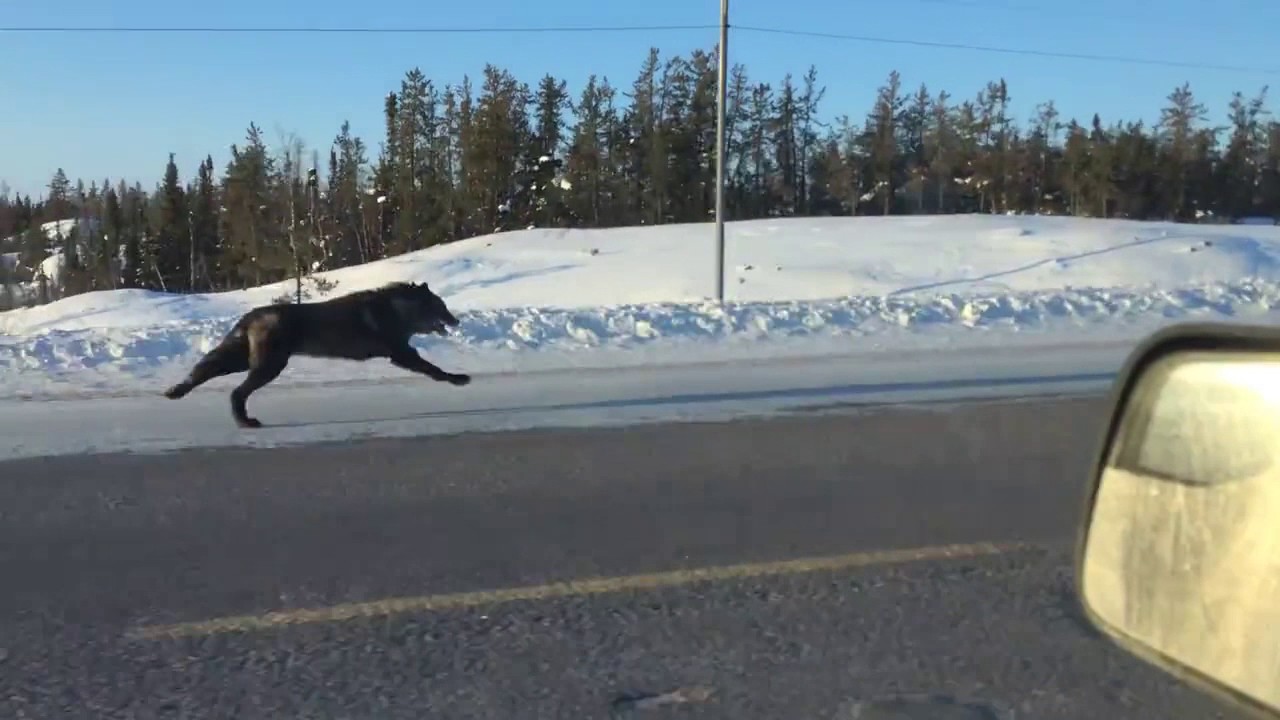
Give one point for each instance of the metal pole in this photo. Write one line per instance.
(191, 238)
(720, 133)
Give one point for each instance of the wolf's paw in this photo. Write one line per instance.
(460, 380)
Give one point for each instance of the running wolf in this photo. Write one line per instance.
(363, 325)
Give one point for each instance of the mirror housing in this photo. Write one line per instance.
(1178, 559)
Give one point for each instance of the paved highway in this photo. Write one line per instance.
(806, 566)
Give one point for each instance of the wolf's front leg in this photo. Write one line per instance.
(409, 359)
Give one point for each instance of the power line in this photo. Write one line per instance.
(476, 30)
(352, 30)
(1011, 51)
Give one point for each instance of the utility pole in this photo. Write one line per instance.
(292, 226)
(722, 91)
(191, 241)
(298, 257)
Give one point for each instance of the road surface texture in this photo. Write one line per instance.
(251, 583)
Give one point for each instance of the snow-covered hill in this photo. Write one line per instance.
(51, 267)
(550, 298)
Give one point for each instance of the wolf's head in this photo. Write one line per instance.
(420, 309)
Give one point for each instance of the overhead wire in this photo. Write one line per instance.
(1128, 60)
(409, 30)
(564, 29)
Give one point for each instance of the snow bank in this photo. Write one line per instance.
(550, 298)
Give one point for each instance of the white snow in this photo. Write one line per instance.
(53, 264)
(555, 299)
(60, 228)
(411, 407)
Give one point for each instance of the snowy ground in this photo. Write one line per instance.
(408, 407)
(551, 300)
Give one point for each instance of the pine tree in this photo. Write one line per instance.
(884, 144)
(644, 147)
(346, 200)
(546, 205)
(1040, 154)
(997, 141)
(940, 148)
(253, 248)
(114, 230)
(737, 142)
(591, 169)
(784, 145)
(915, 136)
(758, 154)
(205, 262)
(1075, 159)
(459, 161)
(1239, 174)
(1101, 169)
(168, 251)
(1179, 124)
(807, 117)
(497, 137)
(138, 243)
(58, 205)
(386, 177)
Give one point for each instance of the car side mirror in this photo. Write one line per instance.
(1179, 556)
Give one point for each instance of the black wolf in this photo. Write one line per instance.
(363, 325)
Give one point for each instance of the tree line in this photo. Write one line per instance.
(493, 154)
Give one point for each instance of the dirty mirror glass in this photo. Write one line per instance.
(1183, 550)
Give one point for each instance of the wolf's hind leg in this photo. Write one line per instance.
(228, 358)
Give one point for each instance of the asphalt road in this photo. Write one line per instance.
(112, 565)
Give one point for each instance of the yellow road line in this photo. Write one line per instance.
(570, 588)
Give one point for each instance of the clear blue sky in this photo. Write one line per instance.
(115, 105)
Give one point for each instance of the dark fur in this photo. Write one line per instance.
(360, 326)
